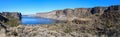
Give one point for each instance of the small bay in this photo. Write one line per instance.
(31, 20)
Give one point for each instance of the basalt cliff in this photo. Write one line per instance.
(72, 13)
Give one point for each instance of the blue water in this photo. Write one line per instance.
(28, 20)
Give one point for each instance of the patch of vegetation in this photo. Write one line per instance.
(110, 23)
(12, 22)
(68, 28)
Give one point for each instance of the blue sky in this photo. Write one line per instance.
(35, 6)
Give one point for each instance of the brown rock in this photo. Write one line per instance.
(82, 12)
(15, 15)
(98, 10)
(68, 12)
(60, 13)
(114, 7)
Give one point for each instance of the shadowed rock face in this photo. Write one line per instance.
(108, 22)
(15, 15)
(3, 19)
(112, 12)
(68, 12)
(114, 7)
(98, 10)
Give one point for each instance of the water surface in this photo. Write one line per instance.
(30, 20)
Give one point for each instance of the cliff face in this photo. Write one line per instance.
(72, 13)
(15, 15)
(10, 18)
(3, 19)
(98, 10)
(82, 12)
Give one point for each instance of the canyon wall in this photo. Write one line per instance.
(72, 13)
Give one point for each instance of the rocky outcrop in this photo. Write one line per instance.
(98, 10)
(3, 19)
(68, 12)
(15, 15)
(10, 18)
(108, 22)
(60, 13)
(113, 8)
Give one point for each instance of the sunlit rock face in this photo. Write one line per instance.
(68, 13)
(81, 12)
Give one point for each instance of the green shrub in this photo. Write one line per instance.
(68, 30)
